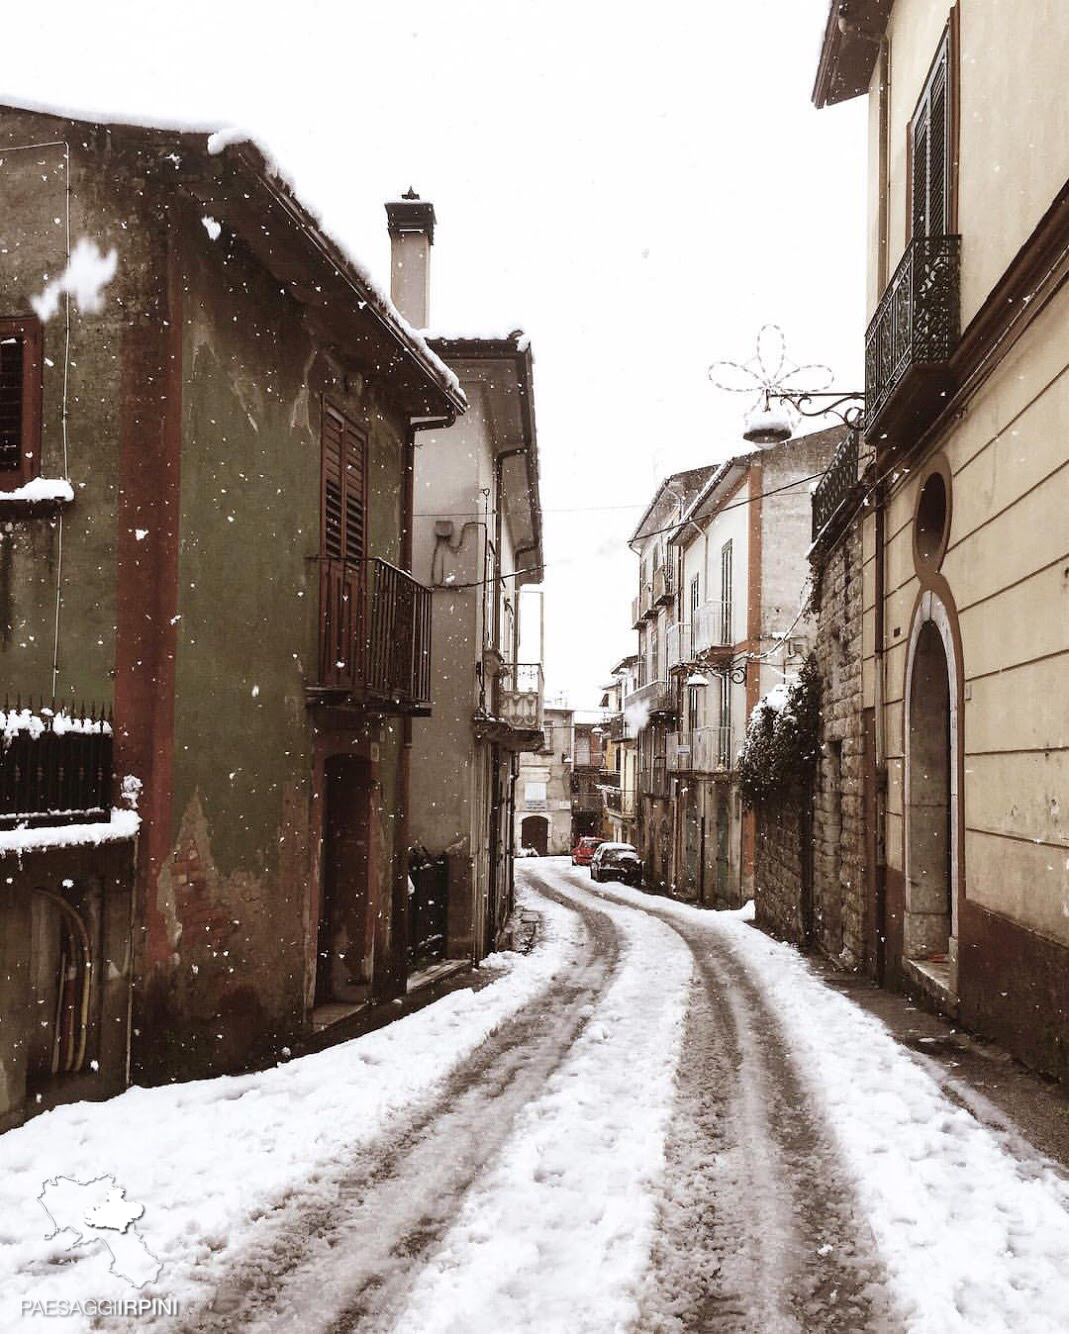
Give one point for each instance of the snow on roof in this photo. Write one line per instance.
(686, 482)
(252, 153)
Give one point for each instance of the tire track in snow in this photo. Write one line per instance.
(348, 1265)
(760, 1227)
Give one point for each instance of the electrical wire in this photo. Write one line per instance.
(657, 532)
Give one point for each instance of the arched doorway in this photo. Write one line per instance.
(931, 790)
(534, 833)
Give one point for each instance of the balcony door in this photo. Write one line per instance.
(343, 531)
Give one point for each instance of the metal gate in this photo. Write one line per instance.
(428, 903)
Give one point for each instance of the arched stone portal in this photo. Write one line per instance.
(534, 833)
(931, 789)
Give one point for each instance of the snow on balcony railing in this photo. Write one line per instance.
(55, 766)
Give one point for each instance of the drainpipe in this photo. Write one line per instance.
(498, 525)
(879, 690)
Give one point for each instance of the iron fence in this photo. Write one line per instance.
(56, 767)
(428, 905)
(836, 484)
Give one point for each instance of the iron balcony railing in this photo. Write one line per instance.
(677, 644)
(636, 613)
(917, 323)
(621, 801)
(836, 484)
(663, 590)
(55, 767)
(712, 626)
(521, 695)
(654, 696)
(702, 750)
(375, 632)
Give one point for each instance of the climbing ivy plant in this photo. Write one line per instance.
(783, 738)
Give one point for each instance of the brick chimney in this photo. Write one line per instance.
(411, 223)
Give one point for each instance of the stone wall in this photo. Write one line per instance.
(778, 867)
(834, 918)
(838, 813)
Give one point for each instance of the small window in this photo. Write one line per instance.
(20, 402)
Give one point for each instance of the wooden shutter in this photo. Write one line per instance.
(20, 401)
(10, 402)
(930, 151)
(342, 546)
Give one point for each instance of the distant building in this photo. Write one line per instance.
(477, 545)
(652, 707)
(739, 627)
(543, 818)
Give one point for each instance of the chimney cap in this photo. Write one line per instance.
(410, 214)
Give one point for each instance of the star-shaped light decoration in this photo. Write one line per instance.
(771, 375)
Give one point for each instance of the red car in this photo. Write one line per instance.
(584, 850)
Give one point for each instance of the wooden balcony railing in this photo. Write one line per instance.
(912, 334)
(375, 634)
(55, 767)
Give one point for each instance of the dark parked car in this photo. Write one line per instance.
(584, 850)
(617, 861)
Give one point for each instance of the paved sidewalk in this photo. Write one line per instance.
(999, 1092)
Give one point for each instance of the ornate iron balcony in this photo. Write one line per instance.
(522, 695)
(836, 484)
(915, 329)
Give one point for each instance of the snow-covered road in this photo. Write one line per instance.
(659, 1120)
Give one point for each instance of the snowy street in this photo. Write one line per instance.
(658, 1120)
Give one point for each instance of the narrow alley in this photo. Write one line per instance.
(656, 1120)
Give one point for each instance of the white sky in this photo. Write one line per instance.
(639, 187)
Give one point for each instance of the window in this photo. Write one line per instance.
(20, 402)
(343, 529)
(726, 593)
(929, 157)
(723, 740)
(695, 595)
(692, 708)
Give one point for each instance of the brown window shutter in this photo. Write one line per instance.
(355, 492)
(929, 151)
(938, 192)
(333, 484)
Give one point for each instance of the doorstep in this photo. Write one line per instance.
(335, 1012)
(436, 972)
(338, 1022)
(932, 978)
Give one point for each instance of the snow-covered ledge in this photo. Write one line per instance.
(122, 826)
(42, 494)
